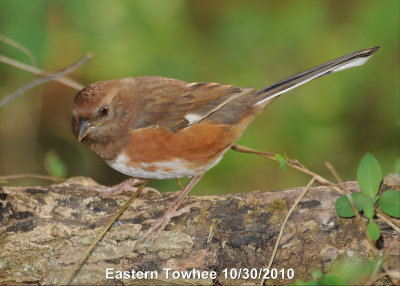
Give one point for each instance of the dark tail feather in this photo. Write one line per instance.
(271, 92)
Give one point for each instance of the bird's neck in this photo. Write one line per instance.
(109, 148)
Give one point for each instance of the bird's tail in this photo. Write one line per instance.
(268, 94)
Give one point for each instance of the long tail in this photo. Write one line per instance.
(267, 94)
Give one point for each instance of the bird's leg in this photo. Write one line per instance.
(129, 185)
(171, 212)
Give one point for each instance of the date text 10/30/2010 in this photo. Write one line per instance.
(194, 274)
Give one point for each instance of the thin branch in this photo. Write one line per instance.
(340, 188)
(44, 79)
(393, 220)
(63, 80)
(389, 220)
(303, 193)
(20, 47)
(210, 235)
(293, 164)
(71, 273)
(336, 175)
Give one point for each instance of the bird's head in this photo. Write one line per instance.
(99, 111)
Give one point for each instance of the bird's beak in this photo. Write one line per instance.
(84, 128)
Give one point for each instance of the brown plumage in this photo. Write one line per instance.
(156, 128)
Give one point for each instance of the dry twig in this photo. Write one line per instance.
(71, 273)
(63, 79)
(303, 193)
(44, 79)
(20, 47)
(389, 220)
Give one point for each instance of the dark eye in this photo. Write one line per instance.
(103, 111)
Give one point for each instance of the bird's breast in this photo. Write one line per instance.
(159, 153)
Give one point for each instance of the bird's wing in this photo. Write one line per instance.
(177, 104)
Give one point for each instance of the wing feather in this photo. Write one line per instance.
(177, 104)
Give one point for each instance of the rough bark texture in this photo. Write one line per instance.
(45, 229)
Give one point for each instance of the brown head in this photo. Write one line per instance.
(102, 114)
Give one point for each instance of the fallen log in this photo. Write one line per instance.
(45, 229)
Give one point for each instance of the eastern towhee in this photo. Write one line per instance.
(154, 127)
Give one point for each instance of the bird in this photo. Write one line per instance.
(152, 127)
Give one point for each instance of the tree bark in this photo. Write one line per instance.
(45, 229)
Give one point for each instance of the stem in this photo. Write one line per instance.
(63, 80)
(303, 193)
(43, 79)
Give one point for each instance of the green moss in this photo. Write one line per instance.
(278, 209)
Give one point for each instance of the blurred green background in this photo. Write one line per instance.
(337, 118)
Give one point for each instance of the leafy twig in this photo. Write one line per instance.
(293, 164)
(364, 229)
(340, 188)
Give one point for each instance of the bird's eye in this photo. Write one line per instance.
(103, 111)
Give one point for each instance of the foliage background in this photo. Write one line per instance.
(246, 43)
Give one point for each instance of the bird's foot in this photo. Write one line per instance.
(128, 185)
(172, 211)
(158, 225)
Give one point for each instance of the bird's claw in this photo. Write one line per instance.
(128, 185)
(159, 224)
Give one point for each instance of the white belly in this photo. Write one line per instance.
(178, 168)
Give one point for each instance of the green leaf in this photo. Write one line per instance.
(281, 160)
(369, 175)
(373, 230)
(343, 207)
(360, 200)
(55, 167)
(369, 210)
(362, 203)
(390, 203)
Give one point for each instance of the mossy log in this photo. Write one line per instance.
(45, 229)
